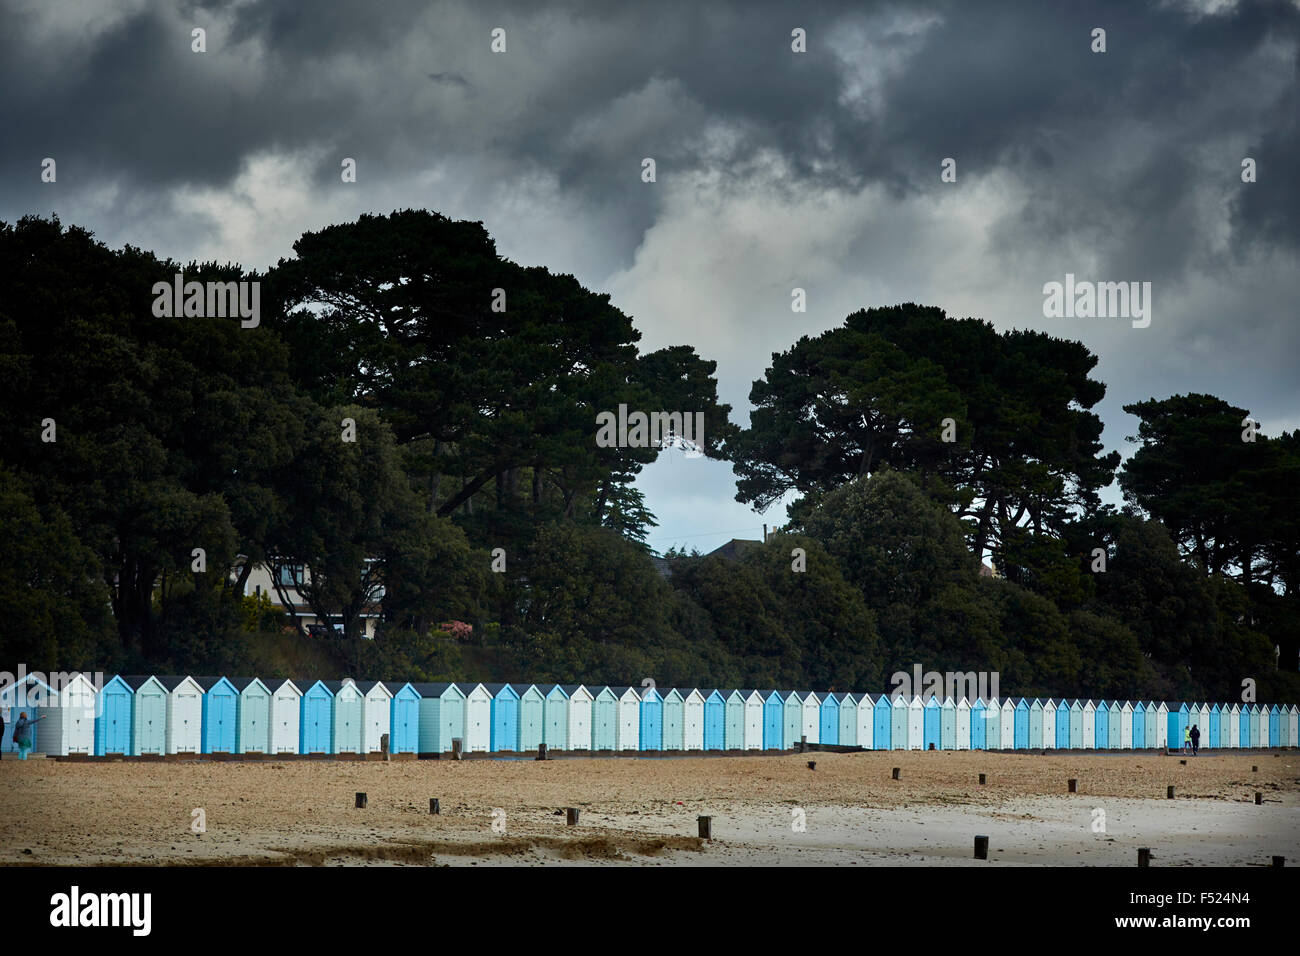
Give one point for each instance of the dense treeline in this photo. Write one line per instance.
(910, 443)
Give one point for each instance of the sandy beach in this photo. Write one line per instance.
(766, 811)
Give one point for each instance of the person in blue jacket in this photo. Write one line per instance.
(23, 730)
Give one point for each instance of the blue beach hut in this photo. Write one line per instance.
(652, 720)
(316, 733)
(1062, 724)
(715, 719)
(1215, 732)
(503, 720)
(1274, 726)
(404, 720)
(773, 720)
(113, 718)
(882, 721)
(933, 724)
(1177, 725)
(1102, 731)
(220, 715)
(1139, 725)
(828, 729)
(979, 725)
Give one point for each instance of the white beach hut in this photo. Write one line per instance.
(1008, 729)
(1049, 724)
(1089, 725)
(579, 734)
(376, 715)
(627, 732)
(693, 720)
(963, 725)
(286, 714)
(478, 719)
(866, 721)
(1126, 726)
(184, 714)
(812, 711)
(916, 724)
(754, 720)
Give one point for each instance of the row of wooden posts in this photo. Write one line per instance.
(705, 823)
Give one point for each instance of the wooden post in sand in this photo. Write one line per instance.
(571, 816)
(812, 764)
(434, 807)
(1073, 784)
(984, 778)
(895, 773)
(1144, 856)
(1259, 799)
(361, 800)
(981, 848)
(541, 751)
(383, 746)
(1170, 793)
(1253, 769)
(455, 748)
(803, 745)
(706, 827)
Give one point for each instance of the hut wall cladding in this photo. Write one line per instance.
(156, 714)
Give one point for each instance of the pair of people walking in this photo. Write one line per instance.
(1192, 740)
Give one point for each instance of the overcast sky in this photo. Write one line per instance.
(775, 169)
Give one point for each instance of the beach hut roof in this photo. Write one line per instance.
(136, 681)
(172, 681)
(435, 688)
(366, 686)
(241, 684)
(209, 682)
(275, 683)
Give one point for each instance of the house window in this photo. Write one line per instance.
(290, 575)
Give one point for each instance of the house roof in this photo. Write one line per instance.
(734, 548)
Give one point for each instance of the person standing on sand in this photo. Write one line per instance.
(23, 734)
(1196, 739)
(1187, 740)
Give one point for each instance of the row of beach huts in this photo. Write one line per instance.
(155, 714)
